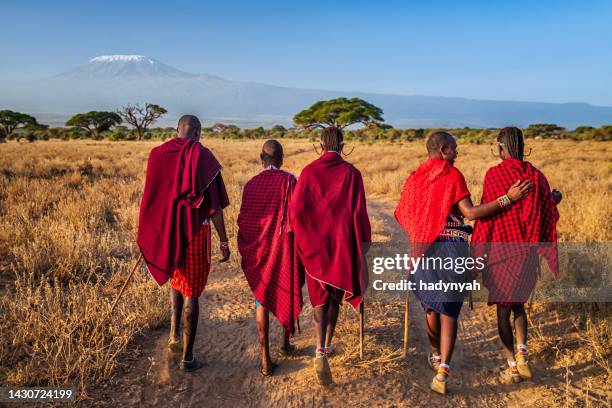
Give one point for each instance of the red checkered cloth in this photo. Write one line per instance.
(330, 220)
(191, 276)
(266, 244)
(527, 228)
(426, 201)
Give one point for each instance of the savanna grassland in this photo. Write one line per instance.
(69, 212)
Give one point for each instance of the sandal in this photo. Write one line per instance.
(510, 374)
(190, 366)
(267, 372)
(522, 364)
(439, 385)
(321, 366)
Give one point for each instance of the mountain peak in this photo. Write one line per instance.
(122, 58)
(126, 67)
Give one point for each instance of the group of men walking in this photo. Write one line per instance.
(316, 230)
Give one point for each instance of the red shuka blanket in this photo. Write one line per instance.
(426, 200)
(531, 220)
(176, 202)
(266, 244)
(329, 218)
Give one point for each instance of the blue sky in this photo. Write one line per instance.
(553, 51)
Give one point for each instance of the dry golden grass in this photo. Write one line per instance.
(69, 212)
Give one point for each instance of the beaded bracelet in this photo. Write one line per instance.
(504, 201)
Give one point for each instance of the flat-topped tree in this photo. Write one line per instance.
(141, 117)
(340, 113)
(95, 122)
(10, 121)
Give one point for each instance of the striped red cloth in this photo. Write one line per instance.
(527, 228)
(191, 276)
(427, 197)
(183, 188)
(329, 217)
(266, 244)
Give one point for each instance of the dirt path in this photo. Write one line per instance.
(227, 340)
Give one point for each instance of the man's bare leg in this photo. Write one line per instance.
(176, 302)
(432, 322)
(505, 331)
(520, 328)
(332, 317)
(520, 323)
(320, 314)
(191, 311)
(286, 343)
(262, 318)
(321, 366)
(448, 336)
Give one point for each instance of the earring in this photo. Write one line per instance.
(349, 153)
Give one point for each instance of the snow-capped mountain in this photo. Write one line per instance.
(113, 66)
(111, 81)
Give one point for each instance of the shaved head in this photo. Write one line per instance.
(189, 126)
(272, 153)
(439, 140)
(442, 145)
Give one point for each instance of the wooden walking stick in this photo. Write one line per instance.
(126, 282)
(361, 328)
(406, 321)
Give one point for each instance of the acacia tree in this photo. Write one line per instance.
(95, 122)
(340, 113)
(10, 121)
(141, 117)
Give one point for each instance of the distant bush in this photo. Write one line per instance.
(544, 131)
(370, 133)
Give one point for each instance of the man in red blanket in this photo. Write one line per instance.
(329, 218)
(513, 240)
(183, 192)
(434, 200)
(269, 255)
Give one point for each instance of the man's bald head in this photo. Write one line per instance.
(442, 145)
(438, 140)
(272, 153)
(189, 126)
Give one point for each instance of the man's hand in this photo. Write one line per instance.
(519, 190)
(225, 252)
(557, 196)
(219, 224)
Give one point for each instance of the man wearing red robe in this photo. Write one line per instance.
(329, 218)
(269, 254)
(434, 200)
(183, 192)
(514, 239)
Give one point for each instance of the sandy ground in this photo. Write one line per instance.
(227, 340)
